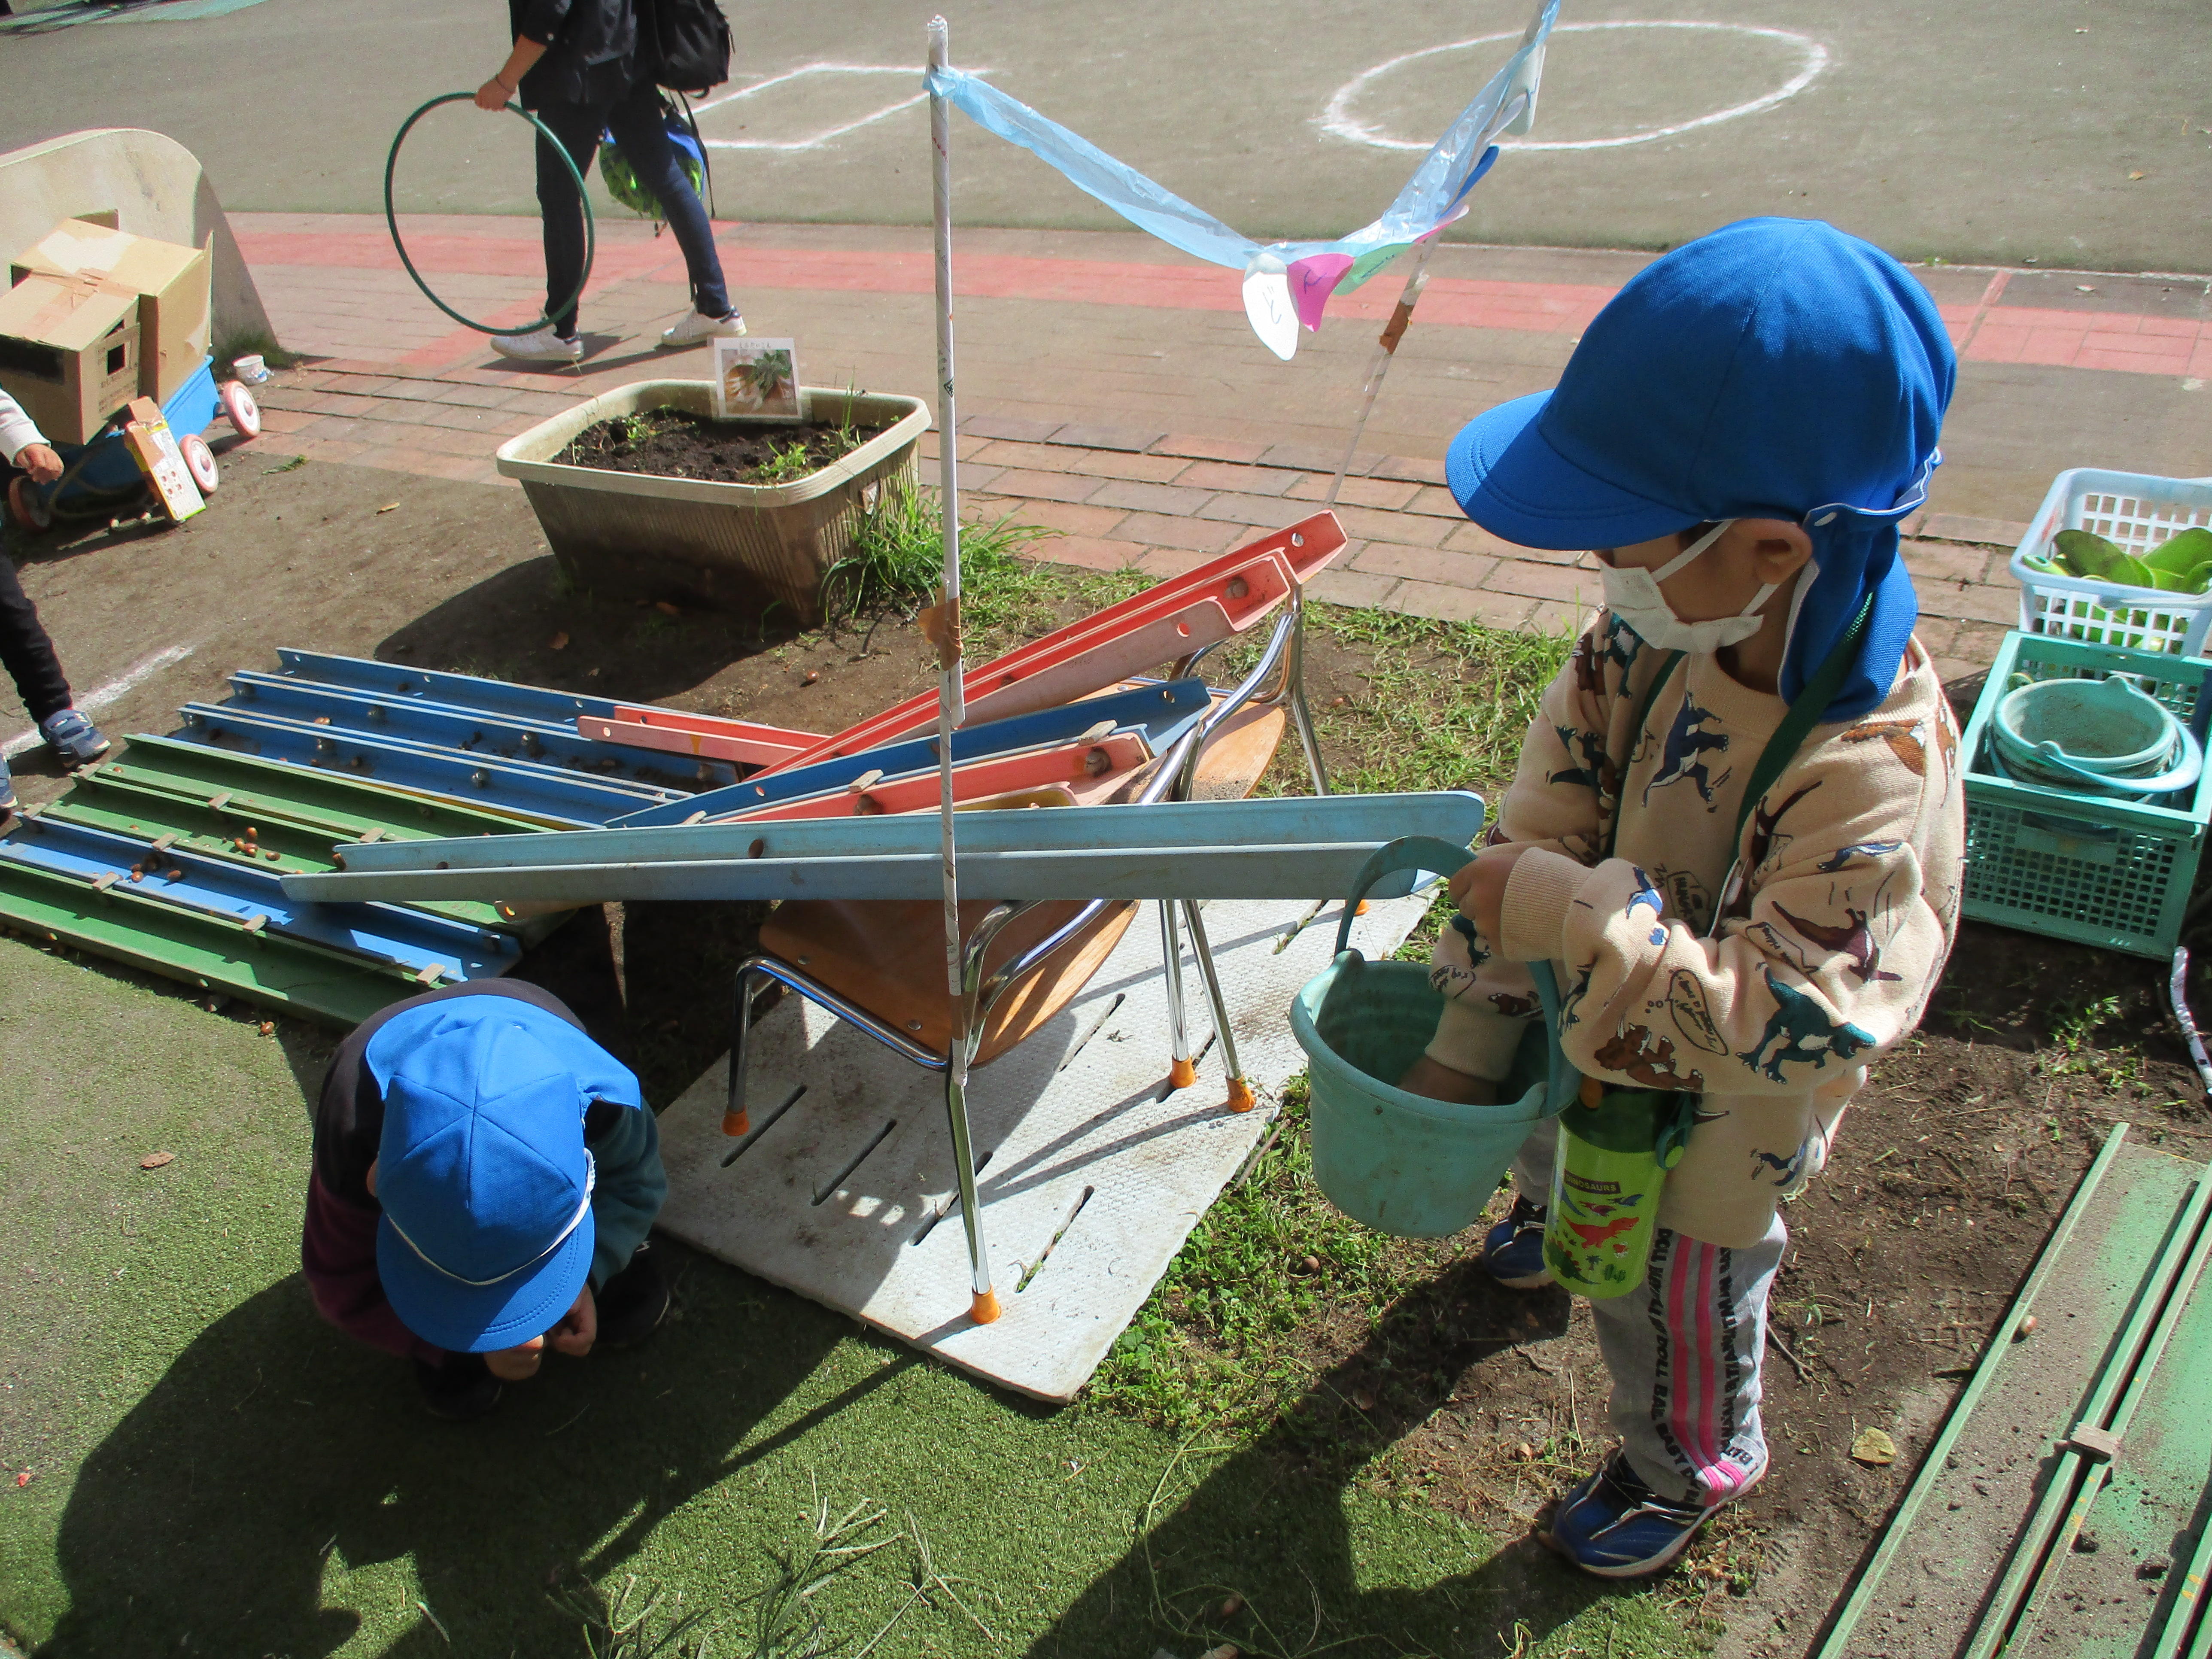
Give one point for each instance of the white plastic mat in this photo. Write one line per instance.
(1092, 1175)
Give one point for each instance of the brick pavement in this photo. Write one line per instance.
(1111, 391)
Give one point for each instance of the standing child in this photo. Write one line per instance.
(25, 648)
(1738, 434)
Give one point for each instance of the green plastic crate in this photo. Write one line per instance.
(2113, 873)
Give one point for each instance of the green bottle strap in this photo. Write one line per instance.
(1789, 737)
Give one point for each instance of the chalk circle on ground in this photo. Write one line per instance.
(1339, 121)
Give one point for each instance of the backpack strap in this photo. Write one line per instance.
(1804, 715)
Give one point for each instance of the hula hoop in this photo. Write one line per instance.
(392, 218)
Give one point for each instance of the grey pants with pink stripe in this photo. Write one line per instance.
(1684, 1350)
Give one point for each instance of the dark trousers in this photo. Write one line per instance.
(25, 650)
(635, 119)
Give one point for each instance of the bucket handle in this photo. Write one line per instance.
(1430, 852)
(1407, 853)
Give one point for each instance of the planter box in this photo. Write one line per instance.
(729, 546)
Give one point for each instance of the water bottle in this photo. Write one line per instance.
(1615, 1148)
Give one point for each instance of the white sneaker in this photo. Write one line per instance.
(695, 328)
(540, 346)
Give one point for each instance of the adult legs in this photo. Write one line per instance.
(636, 124)
(561, 209)
(26, 651)
(1684, 1349)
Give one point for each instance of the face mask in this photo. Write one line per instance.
(1632, 594)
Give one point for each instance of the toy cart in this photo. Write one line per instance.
(99, 479)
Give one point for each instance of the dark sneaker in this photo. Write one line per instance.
(631, 1304)
(75, 738)
(1513, 1250)
(7, 789)
(1616, 1526)
(460, 1389)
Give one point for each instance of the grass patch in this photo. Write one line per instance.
(897, 563)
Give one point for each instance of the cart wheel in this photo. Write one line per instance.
(199, 460)
(27, 507)
(237, 403)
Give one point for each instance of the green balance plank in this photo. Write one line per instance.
(126, 807)
(207, 951)
(242, 785)
(299, 809)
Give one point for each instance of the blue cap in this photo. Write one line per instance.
(1776, 369)
(482, 1170)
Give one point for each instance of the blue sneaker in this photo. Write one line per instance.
(1616, 1526)
(75, 739)
(7, 789)
(1513, 1250)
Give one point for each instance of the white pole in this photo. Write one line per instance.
(951, 710)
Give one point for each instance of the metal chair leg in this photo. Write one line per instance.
(1181, 1073)
(1241, 1098)
(1294, 687)
(983, 1304)
(967, 1035)
(735, 1119)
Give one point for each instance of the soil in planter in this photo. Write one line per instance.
(670, 443)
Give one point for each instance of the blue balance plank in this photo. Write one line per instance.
(385, 934)
(552, 794)
(1295, 848)
(1161, 712)
(392, 679)
(510, 737)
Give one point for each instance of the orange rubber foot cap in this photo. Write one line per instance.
(1362, 909)
(1241, 1098)
(1182, 1073)
(985, 1307)
(736, 1123)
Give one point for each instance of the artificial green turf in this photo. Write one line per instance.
(213, 1471)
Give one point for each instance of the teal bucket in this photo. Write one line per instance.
(1400, 1163)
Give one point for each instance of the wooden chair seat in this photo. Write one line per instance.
(888, 956)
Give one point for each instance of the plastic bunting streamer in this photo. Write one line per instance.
(1286, 284)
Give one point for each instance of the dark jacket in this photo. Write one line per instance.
(593, 49)
(338, 1245)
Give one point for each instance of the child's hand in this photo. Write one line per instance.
(519, 1364)
(579, 1328)
(1478, 889)
(40, 462)
(1438, 1081)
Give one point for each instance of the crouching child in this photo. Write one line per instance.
(1736, 827)
(483, 1178)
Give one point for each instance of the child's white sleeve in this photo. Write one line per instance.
(17, 430)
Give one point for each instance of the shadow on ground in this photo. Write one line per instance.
(273, 1449)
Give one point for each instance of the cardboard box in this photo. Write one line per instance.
(70, 352)
(170, 280)
(155, 447)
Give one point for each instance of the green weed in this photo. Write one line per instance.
(897, 561)
(793, 460)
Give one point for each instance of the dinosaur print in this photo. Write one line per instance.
(1947, 745)
(1639, 1053)
(1760, 845)
(1854, 940)
(1786, 1170)
(1597, 773)
(1903, 738)
(1618, 646)
(1512, 1007)
(1842, 856)
(1647, 897)
(1592, 1237)
(1800, 1030)
(1693, 1017)
(1476, 955)
(1687, 745)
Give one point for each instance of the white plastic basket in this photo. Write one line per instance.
(2136, 512)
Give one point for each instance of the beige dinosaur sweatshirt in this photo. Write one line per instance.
(1827, 952)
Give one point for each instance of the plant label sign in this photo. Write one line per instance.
(755, 378)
